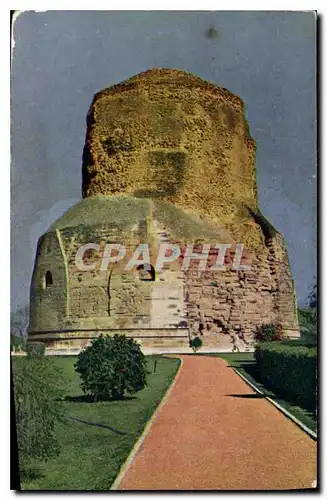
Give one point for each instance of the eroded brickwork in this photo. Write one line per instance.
(169, 134)
(168, 157)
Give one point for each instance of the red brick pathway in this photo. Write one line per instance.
(208, 437)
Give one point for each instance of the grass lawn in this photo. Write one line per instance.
(91, 456)
(245, 363)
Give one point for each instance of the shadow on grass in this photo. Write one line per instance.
(252, 369)
(102, 426)
(253, 373)
(30, 473)
(244, 364)
(86, 398)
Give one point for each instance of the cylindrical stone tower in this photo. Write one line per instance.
(170, 156)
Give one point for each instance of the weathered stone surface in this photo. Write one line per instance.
(169, 134)
(167, 157)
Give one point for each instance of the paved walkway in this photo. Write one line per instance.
(215, 433)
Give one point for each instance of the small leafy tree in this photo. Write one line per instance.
(308, 322)
(268, 333)
(312, 299)
(17, 342)
(308, 317)
(111, 366)
(37, 386)
(195, 343)
(18, 328)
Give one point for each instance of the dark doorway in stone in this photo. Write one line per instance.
(48, 279)
(146, 272)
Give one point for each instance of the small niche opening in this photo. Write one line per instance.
(146, 272)
(48, 279)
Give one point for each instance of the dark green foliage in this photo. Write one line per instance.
(246, 365)
(17, 342)
(111, 366)
(35, 348)
(289, 370)
(18, 328)
(299, 342)
(268, 333)
(308, 324)
(195, 343)
(313, 297)
(37, 406)
(19, 322)
(308, 318)
(91, 456)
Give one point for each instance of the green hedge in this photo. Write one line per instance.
(289, 370)
(298, 342)
(35, 348)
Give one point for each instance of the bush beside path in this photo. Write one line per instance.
(95, 438)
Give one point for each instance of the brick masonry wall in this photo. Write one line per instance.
(100, 299)
(224, 307)
(167, 135)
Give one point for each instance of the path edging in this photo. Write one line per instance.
(145, 432)
(289, 415)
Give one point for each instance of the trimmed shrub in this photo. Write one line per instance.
(195, 343)
(35, 348)
(299, 342)
(268, 333)
(37, 392)
(290, 371)
(111, 366)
